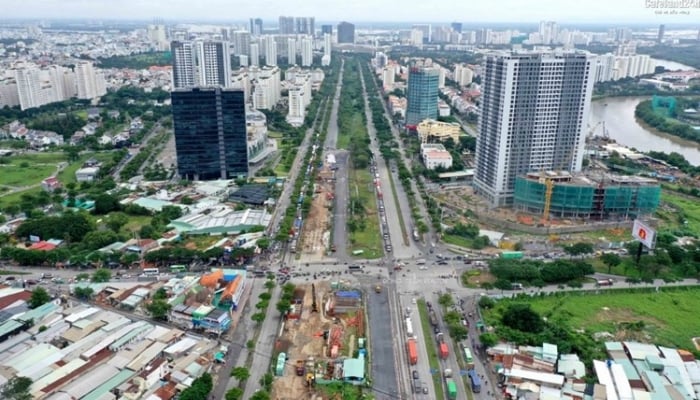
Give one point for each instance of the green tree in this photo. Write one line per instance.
(158, 309)
(488, 339)
(578, 249)
(116, 220)
(94, 240)
(105, 203)
(240, 373)
(83, 293)
(269, 284)
(611, 260)
(17, 388)
(258, 317)
(522, 317)
(39, 297)
(234, 394)
(486, 302)
(261, 395)
(263, 243)
(445, 300)
(101, 275)
(265, 296)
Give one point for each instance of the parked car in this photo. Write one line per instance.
(415, 374)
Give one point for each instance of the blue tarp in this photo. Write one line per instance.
(350, 294)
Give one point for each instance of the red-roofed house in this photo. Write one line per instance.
(8, 300)
(42, 246)
(50, 184)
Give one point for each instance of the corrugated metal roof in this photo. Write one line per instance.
(146, 356)
(353, 368)
(180, 346)
(82, 314)
(37, 353)
(90, 381)
(56, 375)
(107, 386)
(130, 336)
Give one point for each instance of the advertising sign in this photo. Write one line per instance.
(645, 234)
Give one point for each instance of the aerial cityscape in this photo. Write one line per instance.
(256, 201)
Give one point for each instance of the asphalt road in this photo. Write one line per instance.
(382, 341)
(134, 151)
(340, 209)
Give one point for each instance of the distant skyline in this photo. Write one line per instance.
(566, 11)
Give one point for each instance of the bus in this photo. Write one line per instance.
(353, 268)
(178, 268)
(475, 381)
(468, 356)
(151, 271)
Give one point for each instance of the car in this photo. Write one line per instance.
(31, 282)
(436, 330)
(415, 374)
(10, 278)
(442, 262)
(422, 268)
(425, 389)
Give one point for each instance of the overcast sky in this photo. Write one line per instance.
(566, 11)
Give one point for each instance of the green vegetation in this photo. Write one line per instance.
(470, 235)
(39, 297)
(684, 216)
(668, 124)
(684, 54)
(24, 174)
(430, 347)
(363, 222)
(16, 388)
(344, 391)
(665, 317)
(137, 61)
(537, 273)
(199, 389)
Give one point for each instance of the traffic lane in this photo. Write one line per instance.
(423, 366)
(382, 343)
(340, 238)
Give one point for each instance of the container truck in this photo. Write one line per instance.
(433, 318)
(409, 327)
(412, 351)
(451, 389)
(442, 346)
(512, 255)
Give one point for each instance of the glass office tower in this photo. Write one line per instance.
(210, 133)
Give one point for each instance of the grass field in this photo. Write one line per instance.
(686, 210)
(669, 316)
(430, 347)
(16, 175)
(16, 198)
(357, 127)
(369, 238)
(68, 174)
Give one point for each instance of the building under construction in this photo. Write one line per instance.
(593, 196)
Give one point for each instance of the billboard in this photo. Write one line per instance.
(644, 233)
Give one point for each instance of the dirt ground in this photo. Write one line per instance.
(316, 231)
(303, 338)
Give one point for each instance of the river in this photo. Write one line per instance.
(618, 114)
(672, 65)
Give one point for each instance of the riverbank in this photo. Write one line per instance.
(618, 114)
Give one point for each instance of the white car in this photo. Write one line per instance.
(422, 268)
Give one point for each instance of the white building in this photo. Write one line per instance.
(417, 38)
(291, 51)
(388, 77)
(267, 88)
(441, 77)
(89, 82)
(307, 55)
(435, 155)
(241, 43)
(38, 86)
(214, 60)
(463, 75)
(184, 64)
(327, 44)
(270, 50)
(88, 174)
(254, 55)
(299, 99)
(8, 93)
(156, 34)
(533, 116)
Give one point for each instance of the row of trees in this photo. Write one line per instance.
(646, 113)
(539, 273)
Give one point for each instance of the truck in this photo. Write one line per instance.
(300, 368)
(451, 389)
(433, 319)
(409, 327)
(442, 346)
(475, 381)
(512, 255)
(412, 350)
(604, 282)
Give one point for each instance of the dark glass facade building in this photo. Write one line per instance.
(422, 94)
(210, 133)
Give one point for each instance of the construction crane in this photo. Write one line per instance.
(549, 183)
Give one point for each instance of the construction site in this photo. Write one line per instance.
(315, 235)
(321, 341)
